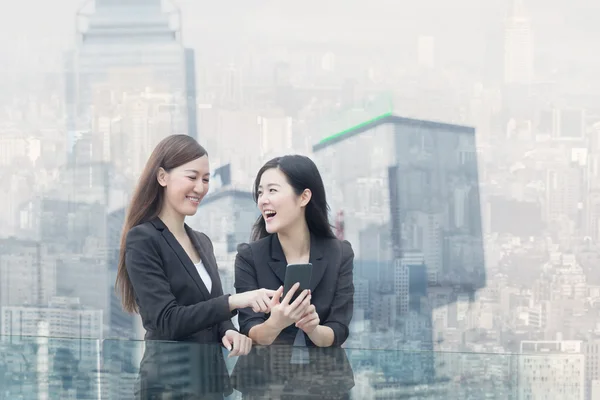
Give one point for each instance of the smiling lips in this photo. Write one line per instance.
(193, 199)
(269, 214)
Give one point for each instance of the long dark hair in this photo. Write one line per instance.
(301, 173)
(148, 197)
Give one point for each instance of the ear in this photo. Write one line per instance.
(161, 177)
(305, 197)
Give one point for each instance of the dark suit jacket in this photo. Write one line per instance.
(175, 305)
(262, 264)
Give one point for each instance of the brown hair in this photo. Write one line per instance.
(147, 200)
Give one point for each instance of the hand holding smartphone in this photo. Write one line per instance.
(297, 273)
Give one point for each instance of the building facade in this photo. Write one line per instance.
(409, 193)
(125, 49)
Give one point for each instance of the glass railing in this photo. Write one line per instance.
(59, 368)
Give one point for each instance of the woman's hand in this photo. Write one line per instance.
(236, 343)
(259, 300)
(309, 321)
(283, 314)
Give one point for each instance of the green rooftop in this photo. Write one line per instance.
(354, 128)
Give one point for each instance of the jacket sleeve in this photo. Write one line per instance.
(157, 304)
(245, 280)
(342, 307)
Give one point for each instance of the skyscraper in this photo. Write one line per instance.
(124, 48)
(518, 46)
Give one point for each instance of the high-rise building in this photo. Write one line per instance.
(418, 180)
(66, 320)
(551, 370)
(27, 273)
(66, 336)
(417, 183)
(518, 46)
(124, 48)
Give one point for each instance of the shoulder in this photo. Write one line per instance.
(334, 245)
(347, 251)
(248, 250)
(346, 248)
(345, 254)
(141, 235)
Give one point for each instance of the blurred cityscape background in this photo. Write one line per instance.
(459, 143)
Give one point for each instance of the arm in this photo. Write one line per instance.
(157, 303)
(255, 325)
(334, 331)
(226, 325)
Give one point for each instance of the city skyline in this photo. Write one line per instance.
(459, 143)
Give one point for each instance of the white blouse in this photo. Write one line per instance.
(204, 275)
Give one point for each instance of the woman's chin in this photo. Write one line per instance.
(189, 211)
(271, 229)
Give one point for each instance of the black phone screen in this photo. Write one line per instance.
(295, 273)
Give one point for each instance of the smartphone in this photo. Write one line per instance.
(295, 273)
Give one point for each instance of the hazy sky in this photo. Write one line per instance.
(35, 31)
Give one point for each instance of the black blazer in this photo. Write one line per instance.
(175, 305)
(262, 264)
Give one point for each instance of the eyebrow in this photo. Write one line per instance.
(270, 184)
(196, 172)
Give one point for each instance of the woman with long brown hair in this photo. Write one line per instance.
(168, 274)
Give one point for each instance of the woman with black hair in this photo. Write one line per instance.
(293, 228)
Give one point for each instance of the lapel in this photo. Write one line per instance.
(278, 263)
(182, 255)
(205, 255)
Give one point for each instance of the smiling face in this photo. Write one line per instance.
(185, 186)
(278, 203)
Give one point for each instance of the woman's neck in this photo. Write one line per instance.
(174, 221)
(296, 243)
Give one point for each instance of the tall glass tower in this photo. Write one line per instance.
(127, 47)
